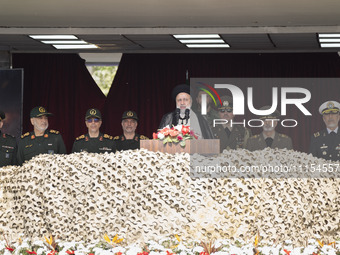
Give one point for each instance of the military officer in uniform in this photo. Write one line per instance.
(231, 136)
(326, 143)
(129, 140)
(94, 141)
(8, 146)
(269, 137)
(41, 140)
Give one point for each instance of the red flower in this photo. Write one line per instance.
(287, 252)
(204, 253)
(165, 131)
(143, 253)
(169, 253)
(180, 138)
(154, 135)
(185, 130)
(91, 253)
(31, 252)
(70, 252)
(119, 253)
(174, 133)
(10, 249)
(52, 252)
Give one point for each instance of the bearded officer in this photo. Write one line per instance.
(41, 140)
(94, 141)
(8, 146)
(232, 136)
(269, 137)
(326, 143)
(129, 140)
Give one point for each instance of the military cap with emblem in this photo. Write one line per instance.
(93, 113)
(39, 111)
(130, 115)
(2, 115)
(181, 88)
(329, 107)
(275, 115)
(227, 103)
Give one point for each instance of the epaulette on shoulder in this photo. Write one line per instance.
(316, 134)
(106, 136)
(254, 136)
(116, 137)
(283, 135)
(7, 136)
(26, 134)
(54, 131)
(143, 137)
(80, 137)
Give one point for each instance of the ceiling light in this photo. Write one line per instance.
(202, 36)
(53, 37)
(330, 45)
(72, 47)
(65, 42)
(203, 41)
(329, 40)
(329, 35)
(207, 45)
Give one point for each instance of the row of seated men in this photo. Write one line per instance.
(324, 144)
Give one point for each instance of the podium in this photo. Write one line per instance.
(205, 147)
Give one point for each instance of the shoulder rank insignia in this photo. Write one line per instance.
(116, 137)
(54, 131)
(26, 134)
(143, 137)
(316, 134)
(283, 135)
(80, 137)
(106, 136)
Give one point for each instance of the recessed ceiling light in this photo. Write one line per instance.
(65, 42)
(330, 45)
(73, 47)
(53, 37)
(329, 35)
(203, 41)
(329, 39)
(197, 36)
(207, 45)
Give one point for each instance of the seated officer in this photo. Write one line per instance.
(269, 137)
(41, 140)
(326, 143)
(129, 140)
(231, 136)
(94, 141)
(8, 146)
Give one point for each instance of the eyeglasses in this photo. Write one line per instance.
(225, 110)
(93, 120)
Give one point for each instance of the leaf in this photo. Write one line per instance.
(177, 237)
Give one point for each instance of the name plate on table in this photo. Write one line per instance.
(200, 146)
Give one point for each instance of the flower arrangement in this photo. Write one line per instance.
(176, 134)
(172, 245)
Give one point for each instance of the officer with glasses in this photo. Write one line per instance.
(94, 141)
(231, 136)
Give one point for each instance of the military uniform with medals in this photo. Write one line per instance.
(31, 145)
(8, 147)
(235, 138)
(326, 143)
(100, 144)
(129, 144)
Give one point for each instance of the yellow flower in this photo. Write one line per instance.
(115, 240)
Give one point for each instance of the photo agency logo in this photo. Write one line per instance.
(239, 101)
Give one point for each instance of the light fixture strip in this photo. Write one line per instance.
(329, 35)
(196, 36)
(208, 45)
(203, 41)
(53, 37)
(65, 42)
(73, 46)
(330, 45)
(329, 40)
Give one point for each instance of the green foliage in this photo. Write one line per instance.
(103, 76)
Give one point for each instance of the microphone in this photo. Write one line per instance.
(187, 115)
(177, 112)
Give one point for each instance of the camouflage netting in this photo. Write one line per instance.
(141, 195)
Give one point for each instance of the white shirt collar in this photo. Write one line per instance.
(335, 130)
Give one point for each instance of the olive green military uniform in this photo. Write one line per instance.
(129, 144)
(102, 143)
(280, 141)
(30, 145)
(8, 150)
(236, 140)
